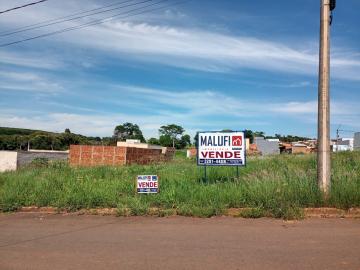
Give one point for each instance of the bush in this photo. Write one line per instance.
(39, 162)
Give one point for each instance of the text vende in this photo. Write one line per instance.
(148, 184)
(221, 154)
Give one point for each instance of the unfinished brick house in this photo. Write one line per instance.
(91, 155)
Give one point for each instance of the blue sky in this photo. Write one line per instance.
(205, 65)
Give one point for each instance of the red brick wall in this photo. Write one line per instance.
(88, 155)
(142, 155)
(146, 156)
(169, 155)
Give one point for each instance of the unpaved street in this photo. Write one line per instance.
(37, 241)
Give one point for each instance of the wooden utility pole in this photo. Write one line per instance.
(323, 159)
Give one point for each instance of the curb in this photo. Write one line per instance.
(325, 212)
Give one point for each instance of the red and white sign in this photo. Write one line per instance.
(221, 148)
(147, 184)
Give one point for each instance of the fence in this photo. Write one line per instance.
(87, 155)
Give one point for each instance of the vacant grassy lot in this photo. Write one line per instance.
(277, 186)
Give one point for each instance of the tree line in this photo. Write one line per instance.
(171, 135)
(21, 139)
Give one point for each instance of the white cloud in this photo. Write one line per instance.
(204, 50)
(195, 110)
(28, 81)
(338, 108)
(192, 48)
(30, 60)
(209, 102)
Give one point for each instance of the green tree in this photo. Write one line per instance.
(8, 142)
(41, 142)
(173, 131)
(291, 138)
(67, 139)
(108, 141)
(250, 135)
(259, 134)
(185, 141)
(196, 139)
(128, 131)
(166, 140)
(153, 141)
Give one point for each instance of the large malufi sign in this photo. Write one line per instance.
(221, 148)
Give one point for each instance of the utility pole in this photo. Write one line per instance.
(323, 158)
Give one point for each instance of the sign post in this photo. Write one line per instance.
(217, 148)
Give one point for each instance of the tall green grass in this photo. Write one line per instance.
(278, 186)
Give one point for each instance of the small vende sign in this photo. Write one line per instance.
(221, 148)
(147, 184)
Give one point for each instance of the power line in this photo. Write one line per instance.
(57, 21)
(19, 7)
(347, 131)
(4, 33)
(98, 21)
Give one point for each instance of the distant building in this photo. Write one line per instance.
(300, 148)
(273, 140)
(357, 141)
(191, 152)
(139, 144)
(344, 144)
(247, 140)
(285, 147)
(267, 147)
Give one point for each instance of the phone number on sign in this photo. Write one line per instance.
(221, 161)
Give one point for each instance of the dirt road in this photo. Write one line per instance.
(35, 241)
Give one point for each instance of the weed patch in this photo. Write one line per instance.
(279, 186)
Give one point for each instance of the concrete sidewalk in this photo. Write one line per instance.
(38, 241)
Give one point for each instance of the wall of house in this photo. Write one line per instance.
(8, 161)
(267, 147)
(300, 150)
(341, 148)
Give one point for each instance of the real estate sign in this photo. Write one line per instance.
(147, 184)
(221, 148)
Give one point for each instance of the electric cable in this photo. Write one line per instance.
(57, 21)
(23, 6)
(98, 21)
